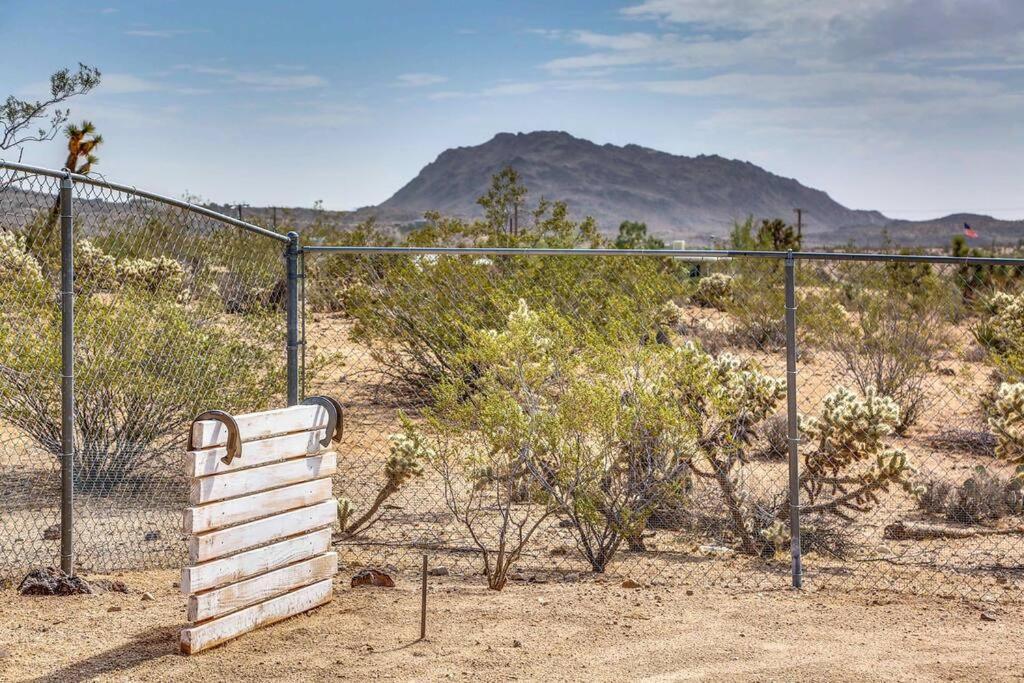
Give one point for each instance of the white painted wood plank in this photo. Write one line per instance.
(262, 452)
(242, 482)
(253, 426)
(204, 636)
(203, 518)
(221, 601)
(210, 546)
(244, 565)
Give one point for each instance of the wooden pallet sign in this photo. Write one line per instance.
(259, 520)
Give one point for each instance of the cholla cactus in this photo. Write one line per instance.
(713, 291)
(408, 452)
(1002, 331)
(405, 462)
(94, 269)
(669, 315)
(15, 261)
(850, 463)
(1006, 419)
(160, 274)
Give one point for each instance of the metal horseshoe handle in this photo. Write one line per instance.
(335, 418)
(234, 438)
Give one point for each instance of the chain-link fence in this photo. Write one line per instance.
(548, 411)
(628, 412)
(175, 310)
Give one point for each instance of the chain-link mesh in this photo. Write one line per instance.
(605, 481)
(942, 512)
(633, 408)
(175, 312)
(29, 470)
(552, 412)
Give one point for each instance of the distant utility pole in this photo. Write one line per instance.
(799, 226)
(275, 217)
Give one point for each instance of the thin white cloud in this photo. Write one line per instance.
(419, 80)
(120, 84)
(162, 33)
(317, 116)
(260, 80)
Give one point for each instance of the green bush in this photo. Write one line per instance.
(587, 431)
(889, 345)
(145, 365)
(416, 313)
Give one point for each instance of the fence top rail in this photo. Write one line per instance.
(128, 189)
(694, 254)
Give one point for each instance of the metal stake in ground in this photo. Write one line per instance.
(423, 601)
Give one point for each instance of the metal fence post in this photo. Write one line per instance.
(793, 426)
(67, 389)
(292, 261)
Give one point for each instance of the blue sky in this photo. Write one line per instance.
(913, 107)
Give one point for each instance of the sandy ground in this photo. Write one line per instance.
(584, 630)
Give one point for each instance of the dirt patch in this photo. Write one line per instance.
(586, 629)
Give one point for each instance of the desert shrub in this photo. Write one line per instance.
(160, 274)
(328, 276)
(775, 433)
(983, 497)
(979, 280)
(16, 263)
(95, 270)
(145, 365)
(758, 304)
(589, 430)
(934, 496)
(713, 291)
(417, 313)
(487, 435)
(894, 325)
(405, 461)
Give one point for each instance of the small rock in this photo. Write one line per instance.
(52, 532)
(571, 578)
(542, 601)
(115, 608)
(152, 535)
(516, 643)
(438, 571)
(988, 616)
(565, 524)
(517, 576)
(630, 583)
(689, 592)
(372, 577)
(716, 550)
(147, 597)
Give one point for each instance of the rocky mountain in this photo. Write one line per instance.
(677, 196)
